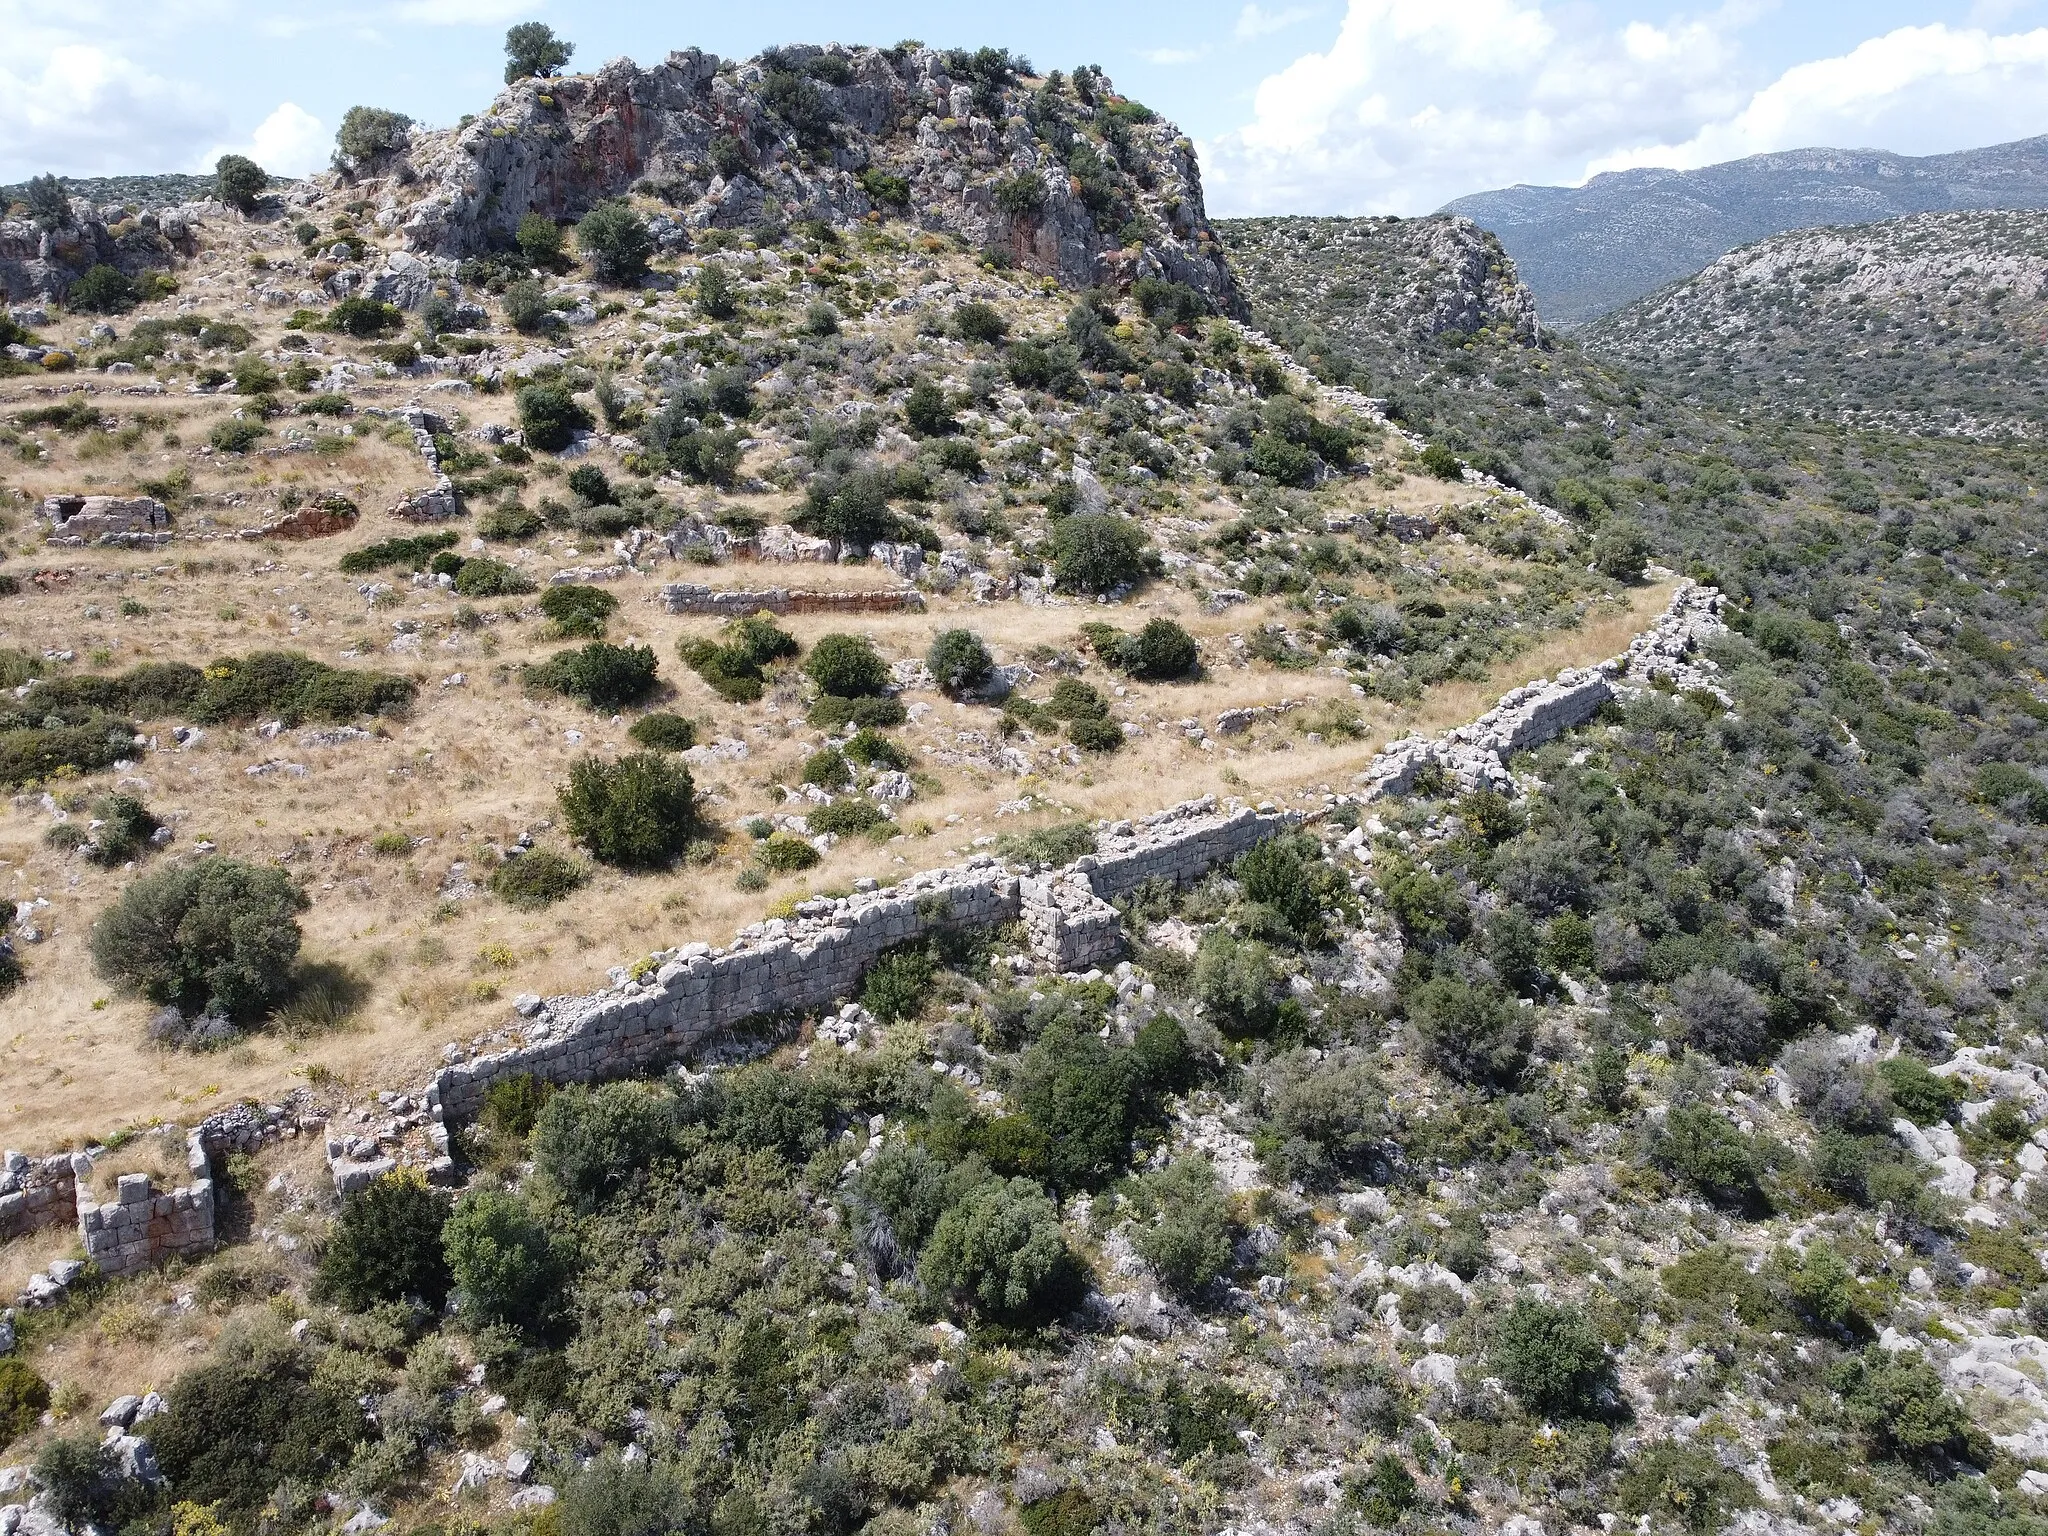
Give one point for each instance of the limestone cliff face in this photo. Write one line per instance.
(36, 263)
(1097, 192)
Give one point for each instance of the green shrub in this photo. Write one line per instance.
(979, 322)
(1550, 1357)
(959, 661)
(240, 181)
(1899, 1405)
(925, 411)
(367, 132)
(828, 769)
(411, 553)
(786, 854)
(236, 435)
(540, 241)
(213, 934)
(1681, 1484)
(239, 1426)
(1921, 1096)
(999, 1250)
(506, 1270)
(610, 1497)
(1475, 1032)
(1097, 552)
(83, 1486)
(615, 241)
(550, 416)
(2009, 784)
(1096, 735)
(512, 1105)
(1236, 982)
(482, 576)
(1088, 1097)
(848, 817)
(1070, 1512)
(1321, 1119)
(593, 1142)
(846, 667)
(717, 294)
(1439, 461)
(575, 611)
(637, 812)
(912, 1188)
(24, 1397)
(872, 749)
(365, 318)
(1161, 652)
(1620, 551)
(536, 879)
(1290, 876)
(1073, 699)
(126, 825)
(1187, 1238)
(282, 685)
(103, 290)
(386, 1246)
(527, 309)
(593, 485)
(603, 676)
(664, 733)
(869, 714)
(1699, 1146)
(898, 984)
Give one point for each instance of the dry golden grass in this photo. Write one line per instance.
(478, 763)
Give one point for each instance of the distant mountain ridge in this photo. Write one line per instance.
(1586, 251)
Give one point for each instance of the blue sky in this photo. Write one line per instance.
(1331, 106)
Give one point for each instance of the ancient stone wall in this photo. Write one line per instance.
(1474, 756)
(737, 603)
(140, 1225)
(37, 1193)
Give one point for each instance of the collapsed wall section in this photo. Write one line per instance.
(739, 603)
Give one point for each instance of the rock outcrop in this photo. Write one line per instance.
(1094, 192)
(38, 263)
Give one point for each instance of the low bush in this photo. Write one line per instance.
(1321, 1118)
(126, 826)
(1673, 1482)
(847, 817)
(574, 611)
(214, 935)
(365, 318)
(1097, 552)
(736, 669)
(663, 733)
(872, 714)
(1000, 1251)
(1473, 1031)
(509, 523)
(786, 854)
(24, 1398)
(1073, 699)
(505, 1268)
(239, 1426)
(482, 576)
(1550, 1357)
(1185, 1229)
(870, 748)
(281, 685)
(1620, 551)
(1160, 652)
(637, 812)
(386, 1246)
(550, 416)
(407, 553)
(603, 676)
(536, 879)
(615, 241)
(959, 661)
(828, 769)
(593, 1142)
(846, 667)
(1096, 735)
(236, 435)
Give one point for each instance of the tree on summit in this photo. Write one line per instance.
(531, 48)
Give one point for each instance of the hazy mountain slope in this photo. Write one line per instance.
(1932, 322)
(1586, 250)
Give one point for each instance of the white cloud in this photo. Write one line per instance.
(1415, 102)
(1256, 21)
(289, 142)
(1911, 91)
(85, 111)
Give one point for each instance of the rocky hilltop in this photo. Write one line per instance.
(1927, 323)
(1588, 250)
(962, 142)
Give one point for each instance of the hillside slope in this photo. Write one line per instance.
(1587, 250)
(1932, 322)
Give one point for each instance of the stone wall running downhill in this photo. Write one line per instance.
(737, 603)
(1474, 756)
(38, 1192)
